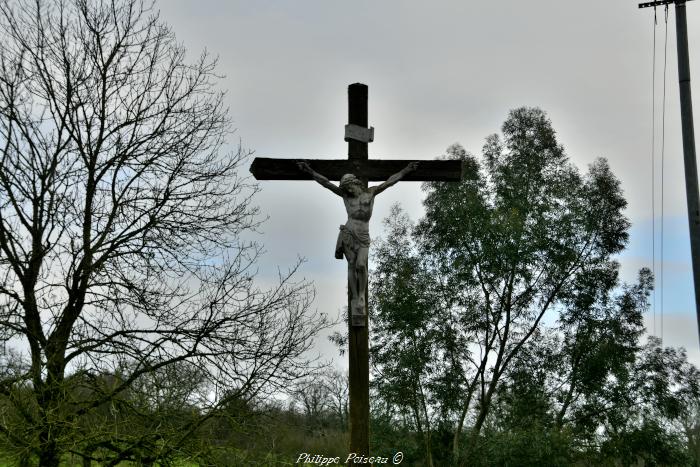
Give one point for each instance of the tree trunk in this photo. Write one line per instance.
(25, 460)
(425, 433)
(49, 401)
(428, 433)
(486, 398)
(49, 455)
(485, 406)
(429, 449)
(559, 421)
(465, 410)
(460, 425)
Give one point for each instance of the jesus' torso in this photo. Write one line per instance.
(359, 209)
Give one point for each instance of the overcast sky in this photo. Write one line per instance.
(442, 72)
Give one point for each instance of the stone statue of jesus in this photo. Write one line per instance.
(353, 239)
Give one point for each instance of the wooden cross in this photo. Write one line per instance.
(358, 135)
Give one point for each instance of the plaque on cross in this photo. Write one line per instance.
(354, 173)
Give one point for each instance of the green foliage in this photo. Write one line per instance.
(650, 443)
(535, 446)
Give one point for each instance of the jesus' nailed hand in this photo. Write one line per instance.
(353, 239)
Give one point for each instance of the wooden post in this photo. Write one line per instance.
(689, 160)
(358, 336)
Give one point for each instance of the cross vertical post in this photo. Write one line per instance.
(358, 336)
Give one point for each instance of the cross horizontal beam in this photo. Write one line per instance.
(661, 2)
(372, 170)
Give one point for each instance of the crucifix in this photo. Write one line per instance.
(354, 173)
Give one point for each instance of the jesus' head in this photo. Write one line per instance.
(351, 185)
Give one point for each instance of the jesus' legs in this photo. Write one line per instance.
(361, 278)
(356, 305)
(352, 284)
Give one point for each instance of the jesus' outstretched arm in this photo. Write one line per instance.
(394, 178)
(305, 167)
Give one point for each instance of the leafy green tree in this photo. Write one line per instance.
(537, 228)
(492, 256)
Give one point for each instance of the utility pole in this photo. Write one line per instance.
(690, 163)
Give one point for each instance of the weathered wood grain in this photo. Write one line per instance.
(372, 170)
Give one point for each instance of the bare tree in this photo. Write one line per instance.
(121, 218)
(313, 396)
(336, 383)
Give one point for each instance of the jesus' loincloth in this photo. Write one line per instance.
(351, 239)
